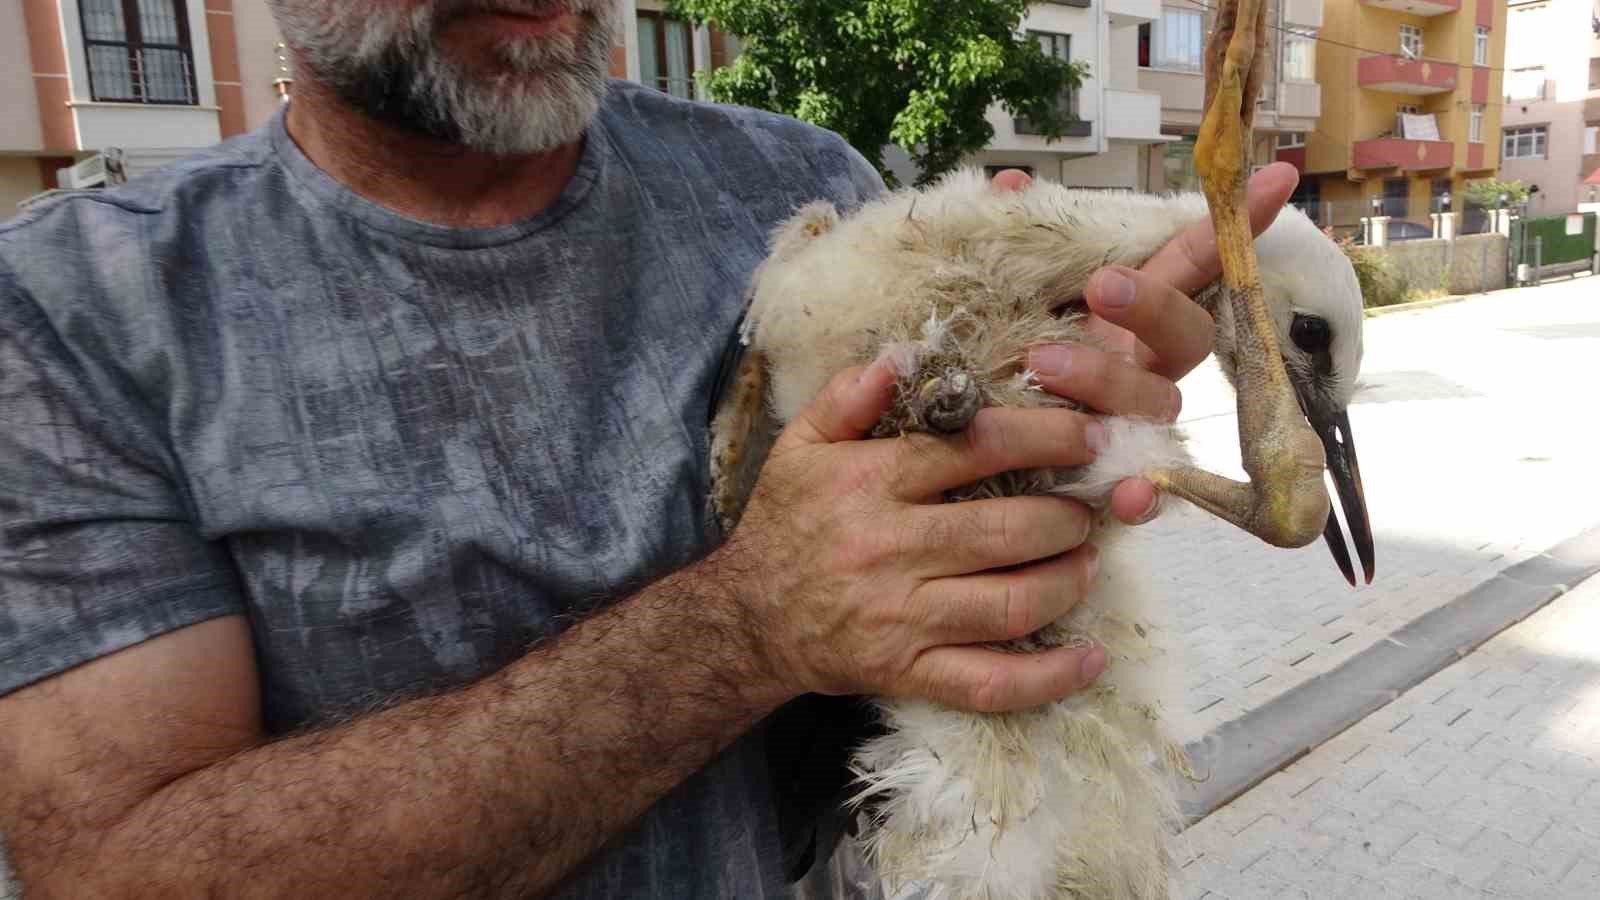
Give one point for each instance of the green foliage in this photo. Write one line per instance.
(1485, 192)
(1382, 283)
(916, 73)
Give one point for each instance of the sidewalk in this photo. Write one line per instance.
(1476, 432)
(1482, 781)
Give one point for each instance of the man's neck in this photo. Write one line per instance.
(426, 179)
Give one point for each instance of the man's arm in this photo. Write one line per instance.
(146, 772)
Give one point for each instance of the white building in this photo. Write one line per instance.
(1551, 125)
(1111, 147)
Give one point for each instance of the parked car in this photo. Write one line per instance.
(1401, 230)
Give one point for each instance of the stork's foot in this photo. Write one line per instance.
(946, 403)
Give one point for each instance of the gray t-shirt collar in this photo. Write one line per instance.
(322, 189)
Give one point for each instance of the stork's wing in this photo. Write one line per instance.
(810, 739)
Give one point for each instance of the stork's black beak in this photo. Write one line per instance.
(1334, 430)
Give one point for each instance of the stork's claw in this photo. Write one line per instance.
(948, 403)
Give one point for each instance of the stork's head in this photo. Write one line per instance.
(1315, 303)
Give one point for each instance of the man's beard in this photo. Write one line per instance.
(538, 93)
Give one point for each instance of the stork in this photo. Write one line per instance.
(954, 283)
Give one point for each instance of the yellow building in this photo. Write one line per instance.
(1410, 108)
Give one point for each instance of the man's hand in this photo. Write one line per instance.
(1155, 332)
(862, 581)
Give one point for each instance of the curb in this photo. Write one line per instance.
(1246, 751)
(1376, 311)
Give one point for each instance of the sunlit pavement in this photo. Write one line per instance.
(1477, 438)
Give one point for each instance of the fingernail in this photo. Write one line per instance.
(1151, 510)
(1093, 664)
(1094, 434)
(1116, 290)
(1051, 359)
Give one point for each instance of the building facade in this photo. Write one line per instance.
(1170, 55)
(156, 79)
(1119, 127)
(1410, 109)
(1118, 130)
(1551, 122)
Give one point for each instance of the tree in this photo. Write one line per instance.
(1485, 193)
(920, 74)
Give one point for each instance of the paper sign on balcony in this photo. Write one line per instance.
(1419, 127)
(1575, 223)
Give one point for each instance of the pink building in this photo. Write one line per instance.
(1552, 101)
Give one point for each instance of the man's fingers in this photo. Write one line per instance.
(1107, 382)
(984, 680)
(997, 440)
(944, 539)
(1135, 501)
(1003, 606)
(1189, 261)
(846, 410)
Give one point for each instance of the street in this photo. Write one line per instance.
(1476, 435)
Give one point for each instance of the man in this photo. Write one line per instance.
(354, 473)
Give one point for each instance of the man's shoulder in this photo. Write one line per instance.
(80, 223)
(738, 139)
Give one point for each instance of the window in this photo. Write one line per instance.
(1299, 55)
(1475, 124)
(138, 51)
(1058, 46)
(1290, 139)
(1480, 47)
(1591, 139)
(1410, 42)
(1396, 198)
(1307, 198)
(1177, 41)
(1526, 83)
(1524, 143)
(666, 54)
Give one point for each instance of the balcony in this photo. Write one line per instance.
(1299, 99)
(1133, 116)
(1407, 156)
(1417, 7)
(1068, 105)
(1305, 13)
(1398, 75)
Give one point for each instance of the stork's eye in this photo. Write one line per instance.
(1311, 333)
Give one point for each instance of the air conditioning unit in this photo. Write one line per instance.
(105, 168)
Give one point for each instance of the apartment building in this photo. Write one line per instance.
(156, 79)
(1170, 56)
(1551, 122)
(1118, 131)
(1119, 127)
(1409, 109)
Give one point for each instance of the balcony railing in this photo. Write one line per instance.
(1396, 74)
(1398, 153)
(1418, 7)
(1067, 105)
(157, 75)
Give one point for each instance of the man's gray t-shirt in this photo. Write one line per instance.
(406, 452)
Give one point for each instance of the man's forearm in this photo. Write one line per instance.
(499, 789)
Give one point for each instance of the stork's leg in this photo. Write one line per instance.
(1285, 502)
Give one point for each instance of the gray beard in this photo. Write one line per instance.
(538, 95)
